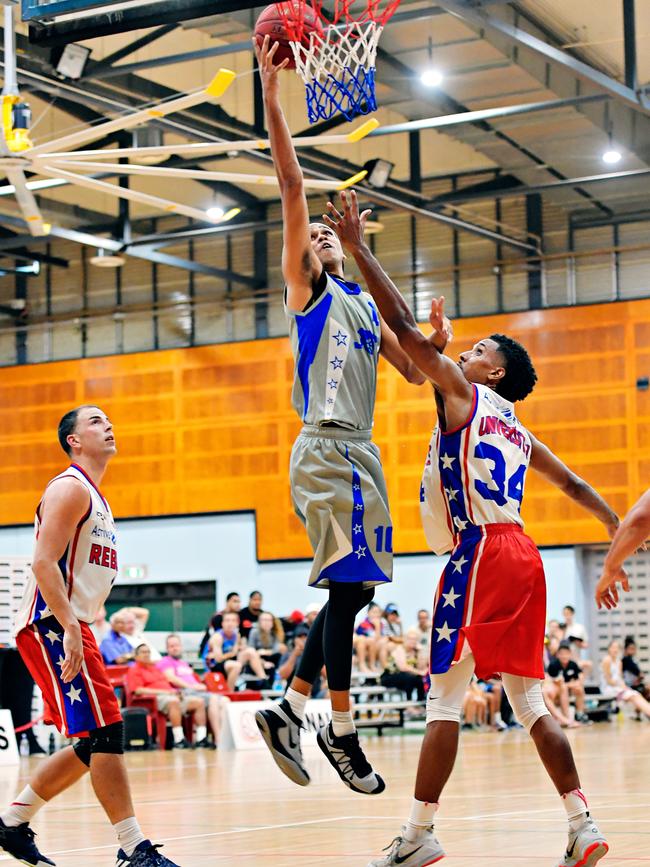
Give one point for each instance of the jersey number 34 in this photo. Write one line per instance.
(499, 488)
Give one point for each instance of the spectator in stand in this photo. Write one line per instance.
(405, 669)
(145, 680)
(233, 605)
(576, 635)
(612, 684)
(632, 674)
(291, 660)
(290, 623)
(423, 627)
(551, 646)
(394, 628)
(135, 621)
(264, 638)
(474, 706)
(182, 676)
(369, 637)
(493, 691)
(566, 668)
(100, 627)
(249, 616)
(311, 613)
(554, 630)
(116, 648)
(228, 654)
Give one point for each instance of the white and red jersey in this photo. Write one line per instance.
(474, 475)
(88, 564)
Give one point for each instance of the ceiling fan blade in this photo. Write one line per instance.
(27, 202)
(217, 87)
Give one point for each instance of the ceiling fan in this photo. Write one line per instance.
(60, 161)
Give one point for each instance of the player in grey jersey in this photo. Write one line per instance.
(337, 483)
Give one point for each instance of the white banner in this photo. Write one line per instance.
(8, 746)
(240, 731)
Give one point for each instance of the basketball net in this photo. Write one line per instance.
(336, 59)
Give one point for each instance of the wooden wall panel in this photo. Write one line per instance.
(211, 428)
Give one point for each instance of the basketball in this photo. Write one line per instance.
(271, 23)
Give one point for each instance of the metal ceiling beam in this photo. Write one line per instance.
(485, 114)
(629, 44)
(153, 35)
(466, 10)
(171, 60)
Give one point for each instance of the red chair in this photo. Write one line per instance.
(216, 682)
(154, 716)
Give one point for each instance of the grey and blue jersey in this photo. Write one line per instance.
(335, 344)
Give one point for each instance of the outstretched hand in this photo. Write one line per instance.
(267, 68)
(350, 225)
(443, 333)
(607, 589)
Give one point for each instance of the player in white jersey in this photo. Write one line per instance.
(490, 604)
(337, 482)
(73, 569)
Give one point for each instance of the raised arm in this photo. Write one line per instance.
(64, 505)
(300, 265)
(630, 536)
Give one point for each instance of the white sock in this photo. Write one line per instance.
(576, 808)
(297, 702)
(178, 734)
(129, 834)
(342, 723)
(421, 818)
(23, 809)
(201, 733)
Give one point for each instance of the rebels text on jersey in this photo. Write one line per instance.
(475, 475)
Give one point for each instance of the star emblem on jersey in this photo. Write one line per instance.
(330, 400)
(357, 528)
(337, 363)
(358, 507)
(460, 524)
(458, 564)
(60, 662)
(450, 598)
(451, 493)
(74, 695)
(52, 637)
(444, 632)
(341, 338)
(356, 487)
(360, 552)
(332, 383)
(447, 461)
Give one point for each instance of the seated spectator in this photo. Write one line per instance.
(554, 630)
(145, 680)
(551, 646)
(576, 635)
(265, 640)
(632, 674)
(290, 662)
(394, 628)
(405, 670)
(423, 627)
(369, 638)
(100, 627)
(249, 616)
(311, 613)
(228, 654)
(612, 684)
(233, 604)
(182, 676)
(474, 706)
(493, 691)
(566, 668)
(115, 647)
(290, 623)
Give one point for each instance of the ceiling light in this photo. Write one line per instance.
(432, 78)
(72, 61)
(102, 259)
(612, 156)
(215, 214)
(378, 172)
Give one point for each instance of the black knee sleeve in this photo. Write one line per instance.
(108, 739)
(82, 751)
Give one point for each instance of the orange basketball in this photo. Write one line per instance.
(271, 23)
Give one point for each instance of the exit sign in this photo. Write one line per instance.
(136, 572)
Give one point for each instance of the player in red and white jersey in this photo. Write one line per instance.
(490, 604)
(73, 569)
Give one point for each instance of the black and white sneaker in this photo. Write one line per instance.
(280, 728)
(145, 854)
(346, 757)
(18, 842)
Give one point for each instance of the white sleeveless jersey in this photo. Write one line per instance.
(88, 565)
(475, 475)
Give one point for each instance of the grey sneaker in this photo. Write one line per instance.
(425, 851)
(346, 757)
(280, 728)
(586, 846)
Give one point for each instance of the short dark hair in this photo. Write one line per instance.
(520, 376)
(139, 648)
(629, 640)
(564, 645)
(67, 426)
(231, 595)
(254, 593)
(571, 608)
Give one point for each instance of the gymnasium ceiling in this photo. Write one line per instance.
(483, 68)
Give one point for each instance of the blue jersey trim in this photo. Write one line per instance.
(347, 285)
(310, 330)
(472, 413)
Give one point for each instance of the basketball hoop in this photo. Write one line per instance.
(335, 55)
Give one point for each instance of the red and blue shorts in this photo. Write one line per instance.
(491, 601)
(88, 702)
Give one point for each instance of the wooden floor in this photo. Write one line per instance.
(237, 808)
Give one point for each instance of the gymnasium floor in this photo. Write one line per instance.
(222, 808)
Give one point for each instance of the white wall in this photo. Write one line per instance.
(223, 547)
